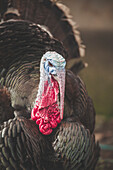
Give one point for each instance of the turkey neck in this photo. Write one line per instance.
(46, 112)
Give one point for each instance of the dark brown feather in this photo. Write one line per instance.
(77, 102)
(6, 111)
(54, 15)
(76, 147)
(25, 148)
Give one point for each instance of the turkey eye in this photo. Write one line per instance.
(50, 64)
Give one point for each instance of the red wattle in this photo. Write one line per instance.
(46, 112)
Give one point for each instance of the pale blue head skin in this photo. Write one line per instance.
(53, 64)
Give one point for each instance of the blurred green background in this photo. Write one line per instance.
(95, 21)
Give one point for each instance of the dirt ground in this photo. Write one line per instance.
(104, 133)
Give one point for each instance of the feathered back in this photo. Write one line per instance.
(50, 13)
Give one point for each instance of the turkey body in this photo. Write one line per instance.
(71, 146)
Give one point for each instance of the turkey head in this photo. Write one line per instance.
(49, 104)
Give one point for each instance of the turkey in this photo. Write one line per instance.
(47, 119)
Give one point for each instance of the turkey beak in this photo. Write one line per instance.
(61, 80)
